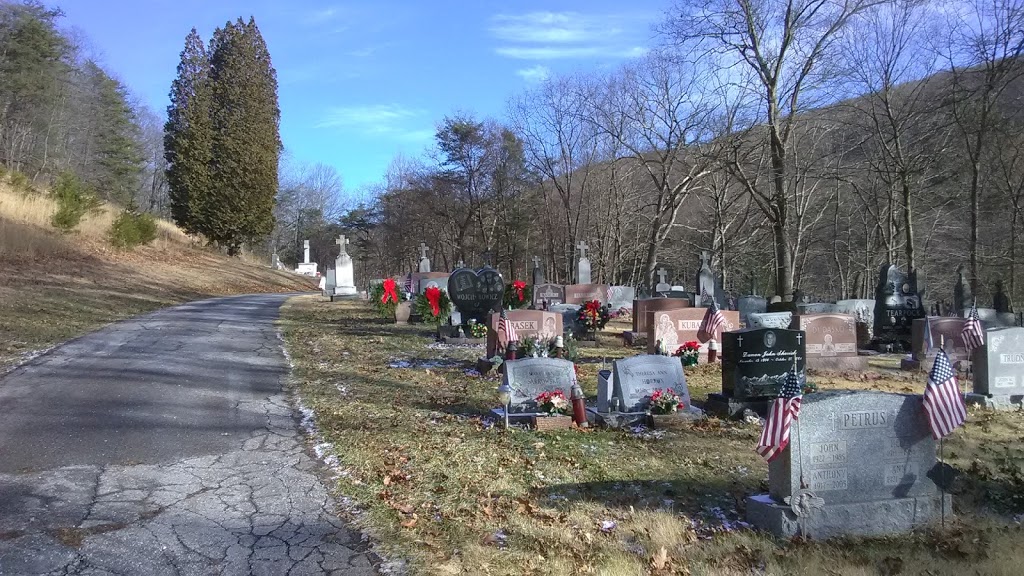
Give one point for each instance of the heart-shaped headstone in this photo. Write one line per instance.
(476, 292)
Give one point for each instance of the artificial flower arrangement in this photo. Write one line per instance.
(517, 295)
(689, 352)
(553, 403)
(475, 329)
(665, 402)
(385, 298)
(433, 305)
(593, 316)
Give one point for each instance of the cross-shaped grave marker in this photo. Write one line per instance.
(583, 249)
(423, 250)
(662, 275)
(343, 242)
(536, 262)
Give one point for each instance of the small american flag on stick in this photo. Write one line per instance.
(943, 401)
(783, 411)
(973, 335)
(506, 330)
(713, 319)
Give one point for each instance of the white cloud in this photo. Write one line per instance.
(536, 73)
(322, 16)
(387, 120)
(565, 35)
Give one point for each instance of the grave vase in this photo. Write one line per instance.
(402, 312)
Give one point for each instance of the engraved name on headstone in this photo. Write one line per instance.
(529, 377)
(755, 361)
(637, 377)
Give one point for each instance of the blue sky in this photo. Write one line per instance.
(362, 81)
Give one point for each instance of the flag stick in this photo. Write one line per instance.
(942, 484)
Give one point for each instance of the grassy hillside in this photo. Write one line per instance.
(55, 286)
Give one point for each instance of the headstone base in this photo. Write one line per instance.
(995, 401)
(464, 341)
(617, 420)
(514, 418)
(729, 408)
(880, 518)
(345, 292)
(838, 363)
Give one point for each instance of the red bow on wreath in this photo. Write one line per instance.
(593, 307)
(433, 295)
(390, 291)
(519, 286)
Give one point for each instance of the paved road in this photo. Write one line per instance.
(165, 445)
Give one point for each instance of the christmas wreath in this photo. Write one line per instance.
(385, 298)
(517, 295)
(593, 316)
(433, 305)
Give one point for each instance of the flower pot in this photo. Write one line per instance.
(560, 422)
(402, 312)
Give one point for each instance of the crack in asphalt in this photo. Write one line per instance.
(256, 506)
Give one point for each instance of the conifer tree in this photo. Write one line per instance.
(188, 136)
(246, 143)
(117, 139)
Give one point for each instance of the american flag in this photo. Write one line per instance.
(713, 319)
(506, 330)
(784, 410)
(943, 401)
(972, 334)
(408, 283)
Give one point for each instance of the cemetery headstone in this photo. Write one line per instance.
(529, 377)
(475, 293)
(962, 297)
(538, 272)
(816, 308)
(644, 305)
(528, 323)
(330, 281)
(424, 261)
(583, 267)
(944, 331)
(991, 318)
(621, 297)
(771, 320)
(674, 327)
(864, 311)
(1000, 301)
(425, 280)
(306, 267)
(637, 377)
(275, 261)
(705, 281)
(663, 284)
(999, 369)
(580, 293)
(751, 304)
(345, 281)
(858, 464)
(755, 362)
(897, 305)
(551, 294)
(831, 341)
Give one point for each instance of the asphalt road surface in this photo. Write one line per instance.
(165, 445)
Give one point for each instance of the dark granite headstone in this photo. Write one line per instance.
(529, 377)
(1000, 301)
(962, 297)
(897, 305)
(862, 462)
(755, 361)
(475, 293)
(548, 293)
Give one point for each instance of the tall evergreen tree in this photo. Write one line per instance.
(246, 142)
(188, 136)
(117, 139)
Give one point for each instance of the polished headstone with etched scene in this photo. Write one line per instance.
(475, 293)
(999, 370)
(858, 464)
(831, 341)
(897, 304)
(755, 361)
(754, 366)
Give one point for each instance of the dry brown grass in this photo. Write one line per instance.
(55, 286)
(440, 487)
